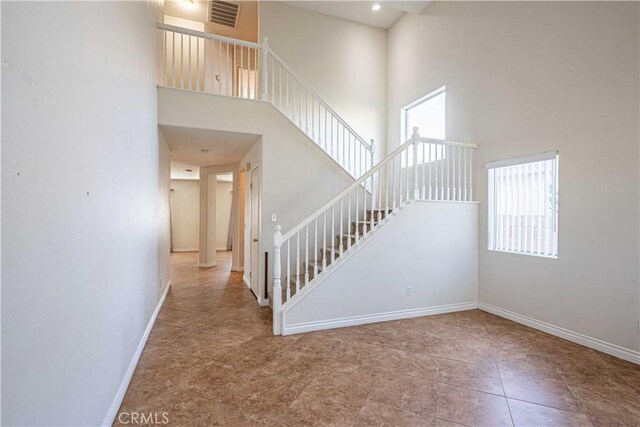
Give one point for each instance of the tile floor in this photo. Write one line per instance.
(211, 359)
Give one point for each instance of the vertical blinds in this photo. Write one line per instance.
(523, 205)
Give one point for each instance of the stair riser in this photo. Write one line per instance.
(361, 228)
(345, 241)
(382, 214)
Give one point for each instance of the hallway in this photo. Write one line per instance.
(211, 359)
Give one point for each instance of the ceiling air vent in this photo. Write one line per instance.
(224, 13)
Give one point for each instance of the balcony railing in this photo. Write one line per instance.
(208, 63)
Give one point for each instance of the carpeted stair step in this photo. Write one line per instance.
(345, 240)
(361, 226)
(379, 214)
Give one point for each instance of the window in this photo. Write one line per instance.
(523, 205)
(428, 115)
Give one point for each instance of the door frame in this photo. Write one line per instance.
(255, 275)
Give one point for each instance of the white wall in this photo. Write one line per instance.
(344, 62)
(525, 78)
(185, 215)
(80, 172)
(224, 195)
(435, 252)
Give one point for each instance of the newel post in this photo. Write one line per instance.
(264, 77)
(277, 284)
(416, 141)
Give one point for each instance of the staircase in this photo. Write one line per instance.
(420, 169)
(326, 256)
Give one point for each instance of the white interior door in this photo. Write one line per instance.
(255, 232)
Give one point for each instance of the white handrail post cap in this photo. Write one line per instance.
(277, 235)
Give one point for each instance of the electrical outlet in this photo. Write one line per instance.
(409, 291)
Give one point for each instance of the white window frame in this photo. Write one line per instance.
(438, 152)
(501, 234)
(406, 133)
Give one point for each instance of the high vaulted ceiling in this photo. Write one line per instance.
(360, 11)
(354, 10)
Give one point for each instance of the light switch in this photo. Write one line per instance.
(274, 218)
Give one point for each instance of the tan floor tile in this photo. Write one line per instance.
(212, 343)
(444, 423)
(534, 364)
(140, 391)
(607, 395)
(295, 366)
(612, 419)
(471, 375)
(376, 414)
(472, 408)
(319, 406)
(317, 344)
(265, 395)
(178, 318)
(531, 415)
(339, 377)
(406, 393)
(539, 389)
(388, 360)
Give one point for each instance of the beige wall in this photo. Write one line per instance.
(528, 77)
(185, 211)
(344, 62)
(81, 210)
(224, 195)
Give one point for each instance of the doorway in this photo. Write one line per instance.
(254, 200)
(223, 206)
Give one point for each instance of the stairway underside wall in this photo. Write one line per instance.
(425, 261)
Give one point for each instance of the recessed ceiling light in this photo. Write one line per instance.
(189, 4)
(376, 7)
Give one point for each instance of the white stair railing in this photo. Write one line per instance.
(420, 169)
(203, 62)
(296, 100)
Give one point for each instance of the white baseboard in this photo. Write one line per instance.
(207, 264)
(245, 279)
(122, 390)
(373, 318)
(237, 268)
(185, 249)
(594, 343)
(263, 302)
